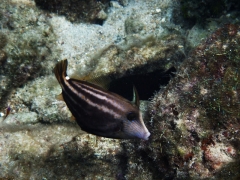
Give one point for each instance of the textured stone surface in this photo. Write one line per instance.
(76, 11)
(196, 117)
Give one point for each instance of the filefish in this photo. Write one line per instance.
(99, 111)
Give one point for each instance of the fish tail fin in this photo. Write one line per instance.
(60, 70)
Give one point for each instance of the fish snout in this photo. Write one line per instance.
(146, 135)
(136, 129)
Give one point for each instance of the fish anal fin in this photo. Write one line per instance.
(72, 118)
(59, 97)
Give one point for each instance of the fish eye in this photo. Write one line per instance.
(131, 116)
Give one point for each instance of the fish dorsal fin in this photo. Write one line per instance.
(102, 81)
(135, 97)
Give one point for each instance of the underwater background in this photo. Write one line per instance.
(183, 57)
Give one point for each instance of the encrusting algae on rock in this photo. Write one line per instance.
(196, 118)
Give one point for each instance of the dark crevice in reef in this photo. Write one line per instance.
(146, 84)
(86, 11)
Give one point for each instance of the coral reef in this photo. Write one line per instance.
(37, 139)
(196, 117)
(197, 33)
(194, 120)
(198, 11)
(25, 39)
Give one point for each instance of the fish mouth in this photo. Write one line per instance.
(140, 132)
(137, 129)
(146, 135)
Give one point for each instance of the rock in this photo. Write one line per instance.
(146, 53)
(123, 2)
(3, 40)
(75, 11)
(115, 4)
(195, 118)
(21, 118)
(102, 15)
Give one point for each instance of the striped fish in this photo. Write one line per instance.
(98, 111)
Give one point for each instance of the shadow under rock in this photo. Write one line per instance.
(146, 84)
(66, 161)
(76, 11)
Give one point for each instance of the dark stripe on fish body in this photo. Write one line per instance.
(76, 101)
(81, 96)
(84, 111)
(96, 94)
(74, 107)
(99, 96)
